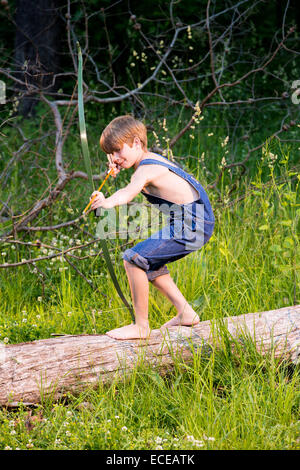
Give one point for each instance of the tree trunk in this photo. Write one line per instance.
(37, 49)
(51, 367)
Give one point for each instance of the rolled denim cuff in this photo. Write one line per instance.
(151, 275)
(135, 258)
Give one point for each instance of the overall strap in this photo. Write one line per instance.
(152, 161)
(177, 170)
(203, 198)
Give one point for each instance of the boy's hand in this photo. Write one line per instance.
(113, 165)
(98, 201)
(116, 169)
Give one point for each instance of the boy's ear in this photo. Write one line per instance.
(137, 141)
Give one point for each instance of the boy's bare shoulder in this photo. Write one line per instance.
(149, 172)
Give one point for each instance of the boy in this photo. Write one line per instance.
(125, 141)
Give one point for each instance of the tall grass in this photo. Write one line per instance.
(222, 400)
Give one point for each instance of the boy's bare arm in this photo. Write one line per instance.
(138, 180)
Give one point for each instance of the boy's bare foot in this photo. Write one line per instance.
(183, 319)
(132, 331)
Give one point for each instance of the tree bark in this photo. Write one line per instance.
(29, 372)
(37, 49)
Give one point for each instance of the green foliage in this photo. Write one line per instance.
(225, 399)
(217, 404)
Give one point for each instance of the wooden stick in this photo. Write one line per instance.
(101, 186)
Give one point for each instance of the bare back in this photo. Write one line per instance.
(165, 184)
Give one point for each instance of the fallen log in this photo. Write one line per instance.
(51, 367)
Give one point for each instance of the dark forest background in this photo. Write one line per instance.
(196, 72)
(217, 83)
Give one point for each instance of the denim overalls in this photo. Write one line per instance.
(189, 227)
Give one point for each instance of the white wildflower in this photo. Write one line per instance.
(225, 142)
(198, 443)
(197, 109)
(223, 162)
(208, 438)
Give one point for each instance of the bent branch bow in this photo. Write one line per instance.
(87, 161)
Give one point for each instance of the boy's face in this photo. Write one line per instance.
(126, 156)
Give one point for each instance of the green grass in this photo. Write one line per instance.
(217, 403)
(221, 401)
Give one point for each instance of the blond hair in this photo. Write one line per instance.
(123, 130)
